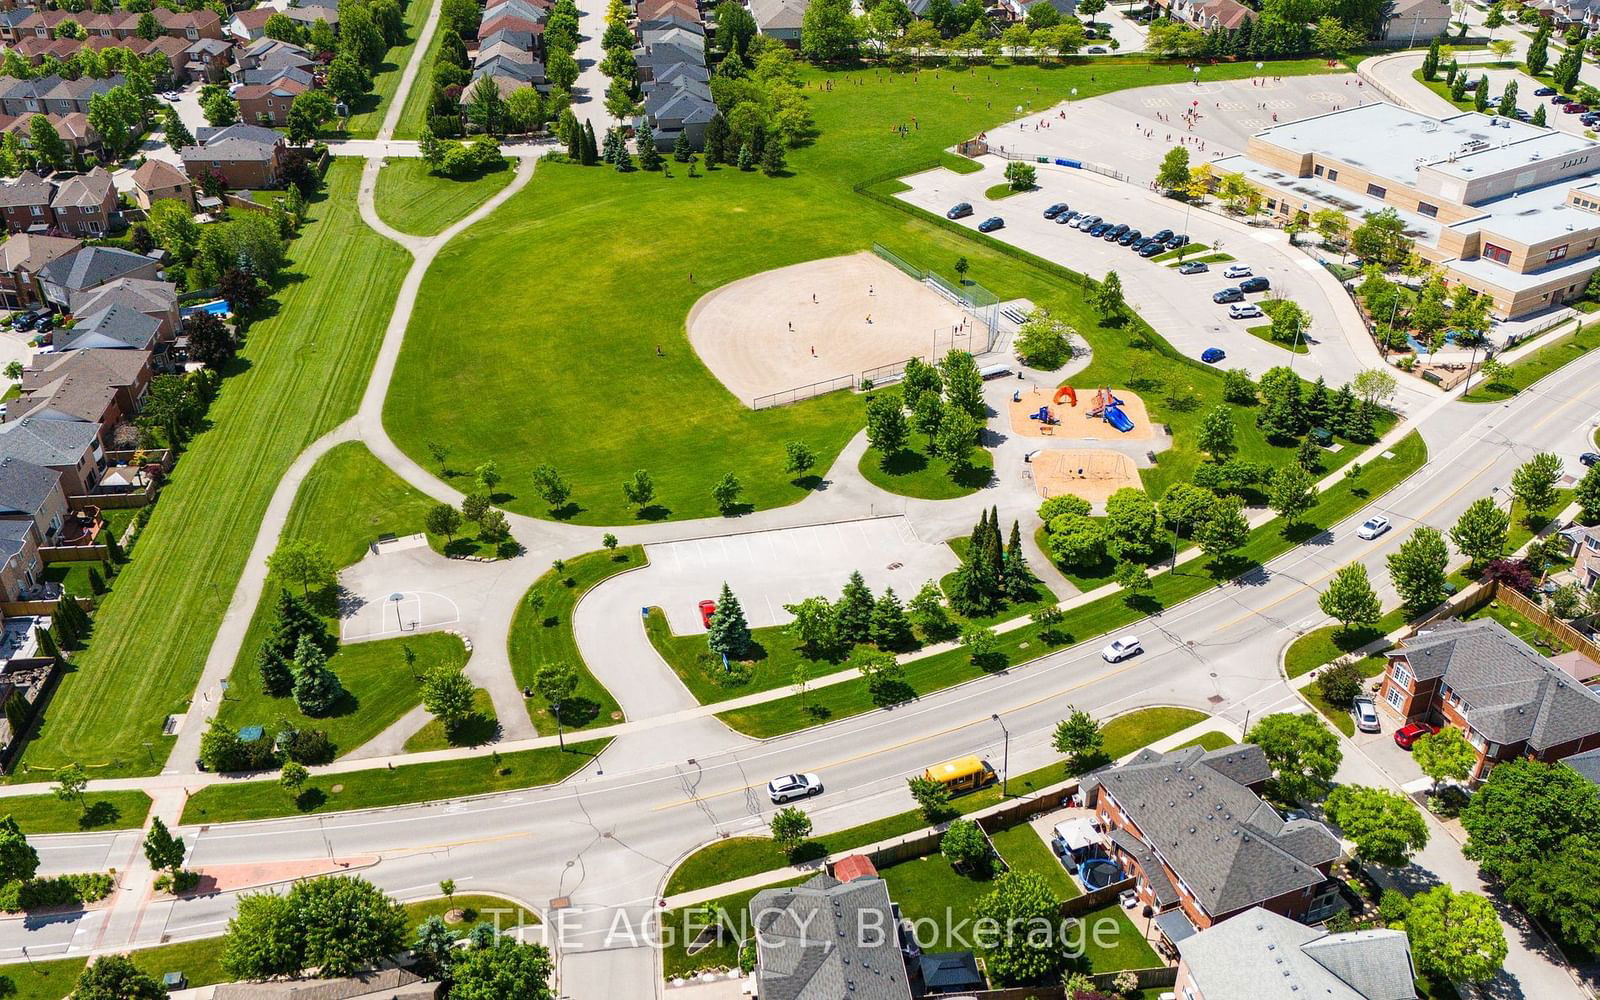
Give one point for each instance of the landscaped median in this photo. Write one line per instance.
(1534, 365)
(50, 813)
(1094, 618)
(368, 789)
(541, 633)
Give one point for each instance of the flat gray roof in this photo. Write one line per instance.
(1391, 141)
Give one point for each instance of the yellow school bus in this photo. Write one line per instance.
(963, 774)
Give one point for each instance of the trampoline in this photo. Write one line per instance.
(1099, 873)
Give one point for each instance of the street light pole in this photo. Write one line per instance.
(1005, 760)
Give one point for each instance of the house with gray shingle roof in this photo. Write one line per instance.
(90, 268)
(116, 327)
(1507, 699)
(26, 202)
(70, 447)
(244, 156)
(683, 107)
(1264, 956)
(21, 258)
(33, 493)
(1189, 827)
(156, 299)
(826, 939)
(780, 19)
(86, 204)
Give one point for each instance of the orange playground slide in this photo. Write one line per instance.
(1065, 392)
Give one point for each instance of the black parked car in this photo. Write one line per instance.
(1139, 244)
(1127, 238)
(990, 224)
(1255, 284)
(1162, 235)
(24, 321)
(1068, 218)
(1115, 232)
(1545, 92)
(1228, 295)
(1561, 99)
(1177, 241)
(1152, 248)
(960, 211)
(1055, 210)
(1099, 229)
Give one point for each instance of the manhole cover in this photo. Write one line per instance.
(1216, 699)
(615, 716)
(895, 565)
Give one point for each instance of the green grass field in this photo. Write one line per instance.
(99, 811)
(412, 200)
(545, 636)
(915, 473)
(1087, 621)
(300, 373)
(414, 112)
(1536, 365)
(475, 730)
(379, 688)
(1324, 645)
(634, 296)
(368, 112)
(246, 800)
(472, 907)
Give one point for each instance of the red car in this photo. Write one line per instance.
(1411, 732)
(707, 609)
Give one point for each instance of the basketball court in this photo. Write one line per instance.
(1091, 473)
(398, 613)
(825, 320)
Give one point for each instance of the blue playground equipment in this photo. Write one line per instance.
(1116, 418)
(1109, 408)
(1043, 416)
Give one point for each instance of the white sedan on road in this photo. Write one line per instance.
(1372, 527)
(793, 786)
(1121, 649)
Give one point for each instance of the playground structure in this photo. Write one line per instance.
(1042, 412)
(1091, 473)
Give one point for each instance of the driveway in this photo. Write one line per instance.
(1178, 306)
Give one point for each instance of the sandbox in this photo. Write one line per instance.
(782, 329)
(1091, 473)
(1074, 421)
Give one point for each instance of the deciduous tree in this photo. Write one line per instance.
(1304, 753)
(1455, 936)
(1387, 827)
(1350, 598)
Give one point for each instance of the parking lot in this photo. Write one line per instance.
(1176, 305)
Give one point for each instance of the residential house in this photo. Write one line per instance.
(127, 372)
(268, 103)
(1586, 764)
(156, 180)
(1585, 553)
(9, 20)
(69, 447)
(1509, 700)
(249, 25)
(780, 19)
(190, 25)
(1415, 22)
(21, 570)
(309, 12)
(685, 109)
(90, 268)
(206, 60)
(71, 399)
(1195, 836)
(1264, 956)
(244, 156)
(155, 299)
(25, 200)
(114, 328)
(1208, 15)
(117, 24)
(33, 494)
(86, 204)
(42, 23)
(74, 130)
(21, 258)
(261, 60)
(825, 939)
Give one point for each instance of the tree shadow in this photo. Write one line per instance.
(474, 731)
(310, 799)
(652, 512)
(1302, 532)
(99, 813)
(738, 510)
(904, 462)
(991, 663)
(459, 548)
(811, 482)
(971, 477)
(577, 712)
(566, 511)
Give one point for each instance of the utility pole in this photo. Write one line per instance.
(1005, 761)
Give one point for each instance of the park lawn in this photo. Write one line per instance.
(379, 688)
(1096, 618)
(368, 112)
(1214, 740)
(1524, 525)
(414, 200)
(774, 655)
(474, 731)
(300, 373)
(913, 472)
(545, 636)
(739, 857)
(1536, 365)
(233, 802)
(473, 907)
(1181, 254)
(679, 412)
(37, 814)
(1324, 645)
(960, 164)
(1339, 715)
(1441, 88)
(1024, 850)
(995, 192)
(414, 113)
(936, 898)
(50, 980)
(200, 961)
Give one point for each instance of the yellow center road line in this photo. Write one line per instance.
(400, 852)
(878, 751)
(1307, 585)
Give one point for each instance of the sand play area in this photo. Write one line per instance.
(1091, 473)
(1074, 421)
(824, 319)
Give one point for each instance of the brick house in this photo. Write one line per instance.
(1585, 553)
(156, 180)
(21, 258)
(1191, 829)
(90, 268)
(86, 204)
(155, 299)
(244, 156)
(268, 103)
(127, 373)
(1507, 699)
(69, 447)
(25, 201)
(21, 570)
(33, 494)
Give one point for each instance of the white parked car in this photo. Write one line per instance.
(1238, 271)
(1244, 310)
(1372, 527)
(1366, 713)
(1121, 649)
(793, 786)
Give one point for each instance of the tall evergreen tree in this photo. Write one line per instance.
(853, 611)
(1538, 51)
(316, 687)
(591, 149)
(890, 628)
(729, 633)
(1018, 577)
